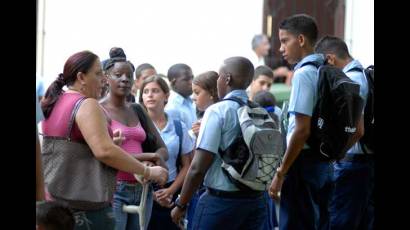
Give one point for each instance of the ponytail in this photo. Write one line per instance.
(52, 94)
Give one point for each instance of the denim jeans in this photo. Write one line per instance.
(305, 194)
(351, 204)
(214, 213)
(94, 220)
(130, 194)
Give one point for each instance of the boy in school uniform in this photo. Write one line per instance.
(350, 205)
(180, 105)
(304, 179)
(235, 209)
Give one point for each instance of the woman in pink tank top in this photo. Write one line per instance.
(119, 72)
(83, 76)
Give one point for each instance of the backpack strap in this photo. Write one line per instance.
(357, 69)
(235, 99)
(315, 64)
(178, 130)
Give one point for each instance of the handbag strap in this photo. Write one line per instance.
(72, 117)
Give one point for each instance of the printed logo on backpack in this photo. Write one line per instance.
(336, 113)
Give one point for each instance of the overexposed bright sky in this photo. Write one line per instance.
(200, 33)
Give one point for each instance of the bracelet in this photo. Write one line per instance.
(146, 169)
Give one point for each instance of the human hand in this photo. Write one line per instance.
(157, 174)
(140, 178)
(276, 186)
(118, 138)
(195, 127)
(177, 216)
(164, 198)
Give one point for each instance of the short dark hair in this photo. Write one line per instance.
(173, 71)
(240, 69)
(334, 45)
(301, 24)
(263, 70)
(264, 98)
(54, 216)
(141, 68)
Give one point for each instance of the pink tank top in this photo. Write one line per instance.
(57, 123)
(134, 136)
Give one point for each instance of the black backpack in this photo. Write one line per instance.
(336, 113)
(367, 141)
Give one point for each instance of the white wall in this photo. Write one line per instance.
(359, 30)
(200, 33)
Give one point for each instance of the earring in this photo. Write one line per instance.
(82, 87)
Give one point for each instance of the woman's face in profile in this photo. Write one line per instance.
(94, 80)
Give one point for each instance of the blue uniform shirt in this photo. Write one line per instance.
(359, 78)
(171, 140)
(303, 96)
(180, 108)
(219, 127)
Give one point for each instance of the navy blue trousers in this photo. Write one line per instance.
(215, 213)
(305, 194)
(351, 205)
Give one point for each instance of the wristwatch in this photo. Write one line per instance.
(179, 205)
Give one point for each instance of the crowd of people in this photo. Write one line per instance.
(109, 129)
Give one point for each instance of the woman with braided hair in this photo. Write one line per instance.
(79, 156)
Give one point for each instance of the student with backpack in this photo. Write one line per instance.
(154, 96)
(303, 177)
(354, 174)
(223, 205)
(268, 101)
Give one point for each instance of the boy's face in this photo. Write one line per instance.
(144, 74)
(183, 83)
(290, 47)
(263, 82)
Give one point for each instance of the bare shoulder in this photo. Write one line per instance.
(90, 106)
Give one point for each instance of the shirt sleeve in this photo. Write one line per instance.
(187, 143)
(302, 97)
(210, 132)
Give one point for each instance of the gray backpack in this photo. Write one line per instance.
(252, 159)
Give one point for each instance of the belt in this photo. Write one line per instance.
(357, 157)
(234, 194)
